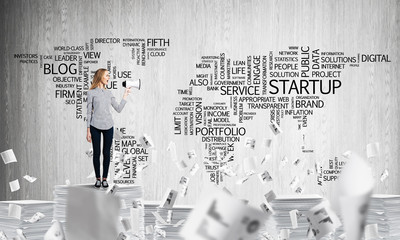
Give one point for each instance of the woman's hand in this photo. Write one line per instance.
(126, 93)
(88, 135)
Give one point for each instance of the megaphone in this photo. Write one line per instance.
(132, 83)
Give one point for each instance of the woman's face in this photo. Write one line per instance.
(105, 78)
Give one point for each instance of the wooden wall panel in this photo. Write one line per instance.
(50, 143)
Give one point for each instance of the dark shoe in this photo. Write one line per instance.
(104, 183)
(98, 183)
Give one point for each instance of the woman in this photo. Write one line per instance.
(99, 120)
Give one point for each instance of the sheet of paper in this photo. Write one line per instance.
(55, 232)
(220, 216)
(293, 184)
(192, 154)
(267, 142)
(29, 178)
(267, 208)
(371, 232)
(89, 153)
(228, 170)
(160, 232)
(14, 211)
(159, 218)
(3, 236)
(126, 223)
(284, 234)
(67, 182)
(193, 170)
(322, 220)
(264, 177)
(249, 164)
(384, 175)
(266, 158)
(296, 161)
(270, 196)
(118, 134)
(373, 150)
(122, 236)
(250, 143)
(169, 199)
(275, 128)
(283, 162)
(21, 234)
(293, 218)
(346, 154)
(181, 165)
(14, 185)
(36, 217)
(183, 185)
(8, 156)
(169, 216)
(149, 229)
(137, 203)
(146, 141)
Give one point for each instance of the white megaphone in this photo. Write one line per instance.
(132, 83)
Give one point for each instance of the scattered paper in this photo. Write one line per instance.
(192, 154)
(266, 158)
(67, 182)
(249, 165)
(14, 185)
(346, 154)
(169, 217)
(21, 234)
(373, 150)
(169, 199)
(112, 189)
(242, 180)
(137, 203)
(270, 196)
(384, 175)
(299, 190)
(183, 183)
(146, 141)
(35, 218)
(181, 165)
(227, 170)
(194, 169)
(322, 220)
(371, 232)
(275, 128)
(160, 232)
(122, 236)
(8, 156)
(89, 152)
(267, 208)
(293, 184)
(267, 142)
(126, 223)
(3, 236)
(293, 218)
(218, 215)
(55, 232)
(250, 143)
(284, 234)
(266, 236)
(149, 229)
(159, 218)
(29, 178)
(296, 162)
(283, 162)
(310, 171)
(219, 154)
(14, 211)
(264, 177)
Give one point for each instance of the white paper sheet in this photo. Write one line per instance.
(8, 156)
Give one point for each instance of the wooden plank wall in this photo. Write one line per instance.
(50, 143)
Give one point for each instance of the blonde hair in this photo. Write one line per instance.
(97, 77)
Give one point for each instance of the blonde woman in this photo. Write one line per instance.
(99, 121)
